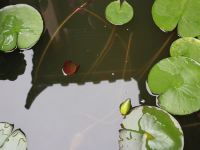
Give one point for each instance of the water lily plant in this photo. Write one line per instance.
(21, 26)
(119, 12)
(12, 140)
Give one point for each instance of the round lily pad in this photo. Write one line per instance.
(150, 128)
(177, 82)
(188, 47)
(183, 14)
(21, 26)
(119, 14)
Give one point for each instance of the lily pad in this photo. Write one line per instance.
(11, 140)
(130, 140)
(5, 131)
(119, 13)
(21, 26)
(183, 14)
(188, 47)
(150, 128)
(177, 82)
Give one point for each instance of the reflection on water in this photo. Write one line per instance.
(109, 57)
(12, 65)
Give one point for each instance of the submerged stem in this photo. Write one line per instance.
(148, 65)
(127, 54)
(54, 35)
(105, 49)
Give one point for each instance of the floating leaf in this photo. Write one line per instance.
(20, 26)
(11, 141)
(5, 131)
(130, 140)
(16, 141)
(177, 81)
(125, 107)
(188, 47)
(150, 128)
(119, 14)
(70, 68)
(168, 14)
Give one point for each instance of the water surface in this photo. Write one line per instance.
(81, 112)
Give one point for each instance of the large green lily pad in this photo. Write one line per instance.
(150, 128)
(10, 140)
(177, 82)
(119, 14)
(188, 47)
(184, 14)
(20, 26)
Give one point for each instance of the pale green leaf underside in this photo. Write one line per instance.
(10, 140)
(130, 140)
(150, 128)
(20, 26)
(119, 15)
(177, 82)
(183, 14)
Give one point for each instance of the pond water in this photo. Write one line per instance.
(81, 112)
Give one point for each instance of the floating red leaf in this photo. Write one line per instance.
(70, 68)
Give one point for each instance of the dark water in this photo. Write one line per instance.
(81, 111)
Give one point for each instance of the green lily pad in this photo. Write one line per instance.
(184, 14)
(12, 140)
(119, 14)
(150, 128)
(130, 140)
(177, 82)
(20, 26)
(5, 131)
(188, 47)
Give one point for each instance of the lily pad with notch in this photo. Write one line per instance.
(188, 47)
(183, 14)
(177, 82)
(119, 13)
(21, 26)
(150, 128)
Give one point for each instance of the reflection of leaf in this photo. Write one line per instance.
(11, 65)
(150, 128)
(185, 14)
(11, 141)
(20, 26)
(177, 81)
(188, 47)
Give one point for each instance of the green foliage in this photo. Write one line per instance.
(150, 128)
(119, 14)
(11, 140)
(20, 26)
(177, 82)
(183, 14)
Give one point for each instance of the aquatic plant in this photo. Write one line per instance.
(183, 14)
(21, 26)
(12, 140)
(119, 13)
(149, 127)
(177, 82)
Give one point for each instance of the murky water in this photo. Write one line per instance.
(81, 112)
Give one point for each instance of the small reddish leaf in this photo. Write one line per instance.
(70, 68)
